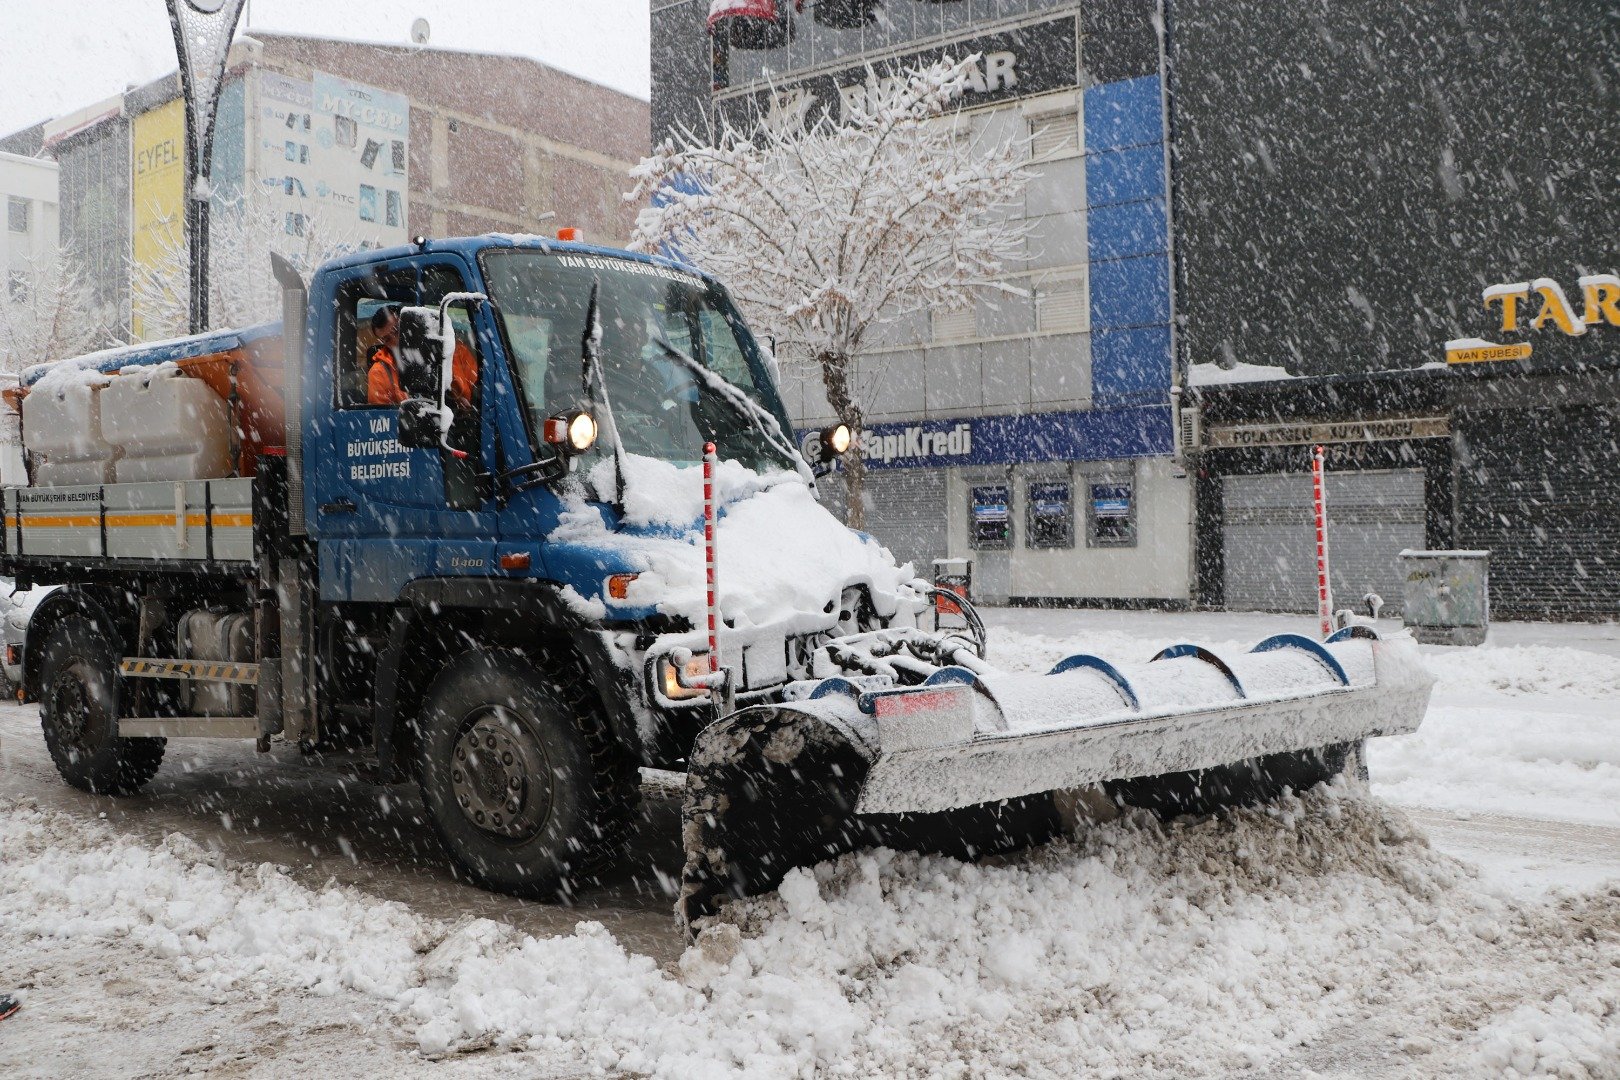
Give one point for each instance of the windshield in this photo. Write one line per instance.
(663, 333)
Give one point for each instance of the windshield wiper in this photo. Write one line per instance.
(590, 352)
(746, 407)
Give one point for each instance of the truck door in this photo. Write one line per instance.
(385, 515)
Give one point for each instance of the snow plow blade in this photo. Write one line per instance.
(966, 762)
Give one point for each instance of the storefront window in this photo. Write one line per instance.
(1111, 514)
(1050, 510)
(990, 518)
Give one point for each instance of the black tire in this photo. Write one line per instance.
(79, 714)
(573, 788)
(1242, 783)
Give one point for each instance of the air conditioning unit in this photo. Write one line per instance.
(1192, 428)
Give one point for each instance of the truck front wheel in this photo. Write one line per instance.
(520, 776)
(79, 714)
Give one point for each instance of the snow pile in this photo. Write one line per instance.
(1240, 372)
(1559, 1037)
(1528, 670)
(782, 554)
(1139, 949)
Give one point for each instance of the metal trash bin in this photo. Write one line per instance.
(1447, 596)
(954, 576)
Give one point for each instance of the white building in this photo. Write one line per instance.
(30, 238)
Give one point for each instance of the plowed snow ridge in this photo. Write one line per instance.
(1135, 950)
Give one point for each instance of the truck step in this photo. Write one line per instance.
(189, 727)
(152, 667)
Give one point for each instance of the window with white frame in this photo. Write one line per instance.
(19, 213)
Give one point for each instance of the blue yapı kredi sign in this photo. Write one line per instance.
(1099, 434)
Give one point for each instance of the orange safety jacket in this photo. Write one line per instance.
(382, 381)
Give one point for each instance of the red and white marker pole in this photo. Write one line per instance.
(1324, 595)
(719, 678)
(711, 573)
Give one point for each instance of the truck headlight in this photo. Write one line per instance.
(696, 668)
(573, 432)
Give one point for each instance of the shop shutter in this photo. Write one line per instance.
(906, 512)
(1269, 540)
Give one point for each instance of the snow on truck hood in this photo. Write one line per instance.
(782, 555)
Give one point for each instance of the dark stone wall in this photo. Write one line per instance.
(1352, 174)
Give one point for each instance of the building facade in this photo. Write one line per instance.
(337, 144)
(28, 190)
(1326, 191)
(1353, 184)
(1034, 433)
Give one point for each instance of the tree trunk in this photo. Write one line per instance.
(835, 378)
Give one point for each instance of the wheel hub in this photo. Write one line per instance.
(500, 776)
(70, 714)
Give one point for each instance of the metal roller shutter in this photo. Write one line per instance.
(1270, 544)
(905, 511)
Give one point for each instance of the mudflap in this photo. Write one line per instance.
(771, 788)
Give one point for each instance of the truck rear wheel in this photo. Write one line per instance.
(521, 778)
(79, 714)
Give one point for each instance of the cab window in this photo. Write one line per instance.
(358, 302)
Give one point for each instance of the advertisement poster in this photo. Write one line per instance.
(157, 205)
(362, 136)
(284, 116)
(332, 156)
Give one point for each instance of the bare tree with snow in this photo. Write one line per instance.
(46, 313)
(241, 289)
(824, 227)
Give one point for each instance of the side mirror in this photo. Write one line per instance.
(419, 425)
(421, 352)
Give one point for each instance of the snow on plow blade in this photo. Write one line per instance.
(964, 763)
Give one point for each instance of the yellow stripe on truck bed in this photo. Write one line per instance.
(122, 520)
(62, 521)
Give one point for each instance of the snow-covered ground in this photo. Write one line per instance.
(1322, 936)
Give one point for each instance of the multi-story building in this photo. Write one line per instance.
(361, 144)
(1057, 471)
(1227, 183)
(28, 190)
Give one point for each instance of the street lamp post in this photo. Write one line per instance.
(202, 40)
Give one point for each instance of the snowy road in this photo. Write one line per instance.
(1325, 936)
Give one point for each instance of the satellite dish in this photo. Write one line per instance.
(420, 31)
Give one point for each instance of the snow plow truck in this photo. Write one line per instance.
(565, 532)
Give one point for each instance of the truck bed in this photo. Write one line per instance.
(204, 522)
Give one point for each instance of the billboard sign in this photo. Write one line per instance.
(1016, 63)
(362, 135)
(334, 154)
(1093, 435)
(157, 207)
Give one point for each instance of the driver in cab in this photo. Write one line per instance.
(382, 375)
